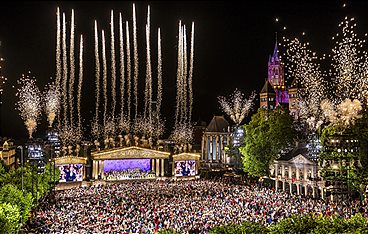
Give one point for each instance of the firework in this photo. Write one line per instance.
(237, 107)
(122, 68)
(113, 65)
(104, 75)
(190, 81)
(65, 74)
(72, 69)
(52, 102)
(80, 82)
(129, 72)
(159, 75)
(136, 65)
(97, 64)
(148, 88)
(184, 95)
(29, 104)
(58, 50)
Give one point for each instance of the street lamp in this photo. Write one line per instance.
(22, 162)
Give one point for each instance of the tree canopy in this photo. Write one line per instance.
(268, 134)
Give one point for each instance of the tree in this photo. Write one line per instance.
(11, 195)
(9, 218)
(268, 134)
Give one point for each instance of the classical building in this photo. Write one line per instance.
(295, 173)
(274, 91)
(216, 136)
(7, 154)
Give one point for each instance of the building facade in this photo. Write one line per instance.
(216, 136)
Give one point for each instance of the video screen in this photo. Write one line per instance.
(185, 168)
(125, 164)
(70, 172)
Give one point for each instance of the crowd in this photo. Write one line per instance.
(134, 173)
(187, 206)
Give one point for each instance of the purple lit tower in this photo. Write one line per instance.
(274, 91)
(276, 77)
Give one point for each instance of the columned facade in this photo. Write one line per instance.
(157, 159)
(298, 175)
(215, 138)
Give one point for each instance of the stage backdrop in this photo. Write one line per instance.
(124, 164)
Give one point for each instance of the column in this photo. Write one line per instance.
(210, 148)
(322, 194)
(94, 169)
(152, 164)
(283, 171)
(276, 183)
(298, 188)
(162, 167)
(217, 148)
(305, 173)
(102, 169)
(157, 167)
(84, 172)
(306, 190)
(202, 148)
(314, 192)
(222, 150)
(173, 168)
(297, 174)
(196, 167)
(290, 172)
(291, 187)
(283, 185)
(276, 170)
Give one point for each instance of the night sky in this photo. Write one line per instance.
(232, 44)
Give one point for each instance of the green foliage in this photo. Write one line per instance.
(9, 218)
(300, 224)
(246, 227)
(295, 224)
(11, 189)
(12, 195)
(267, 134)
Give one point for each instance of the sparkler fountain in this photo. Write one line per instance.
(146, 125)
(29, 104)
(182, 133)
(52, 102)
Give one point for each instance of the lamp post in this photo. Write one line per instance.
(22, 162)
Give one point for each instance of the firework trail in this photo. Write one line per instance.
(122, 78)
(72, 69)
(58, 49)
(136, 65)
(104, 74)
(65, 74)
(80, 82)
(190, 79)
(113, 65)
(159, 75)
(129, 72)
(178, 79)
(184, 75)
(148, 88)
(97, 62)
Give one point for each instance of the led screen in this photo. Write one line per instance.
(70, 172)
(125, 164)
(185, 168)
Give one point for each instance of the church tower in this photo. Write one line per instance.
(276, 77)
